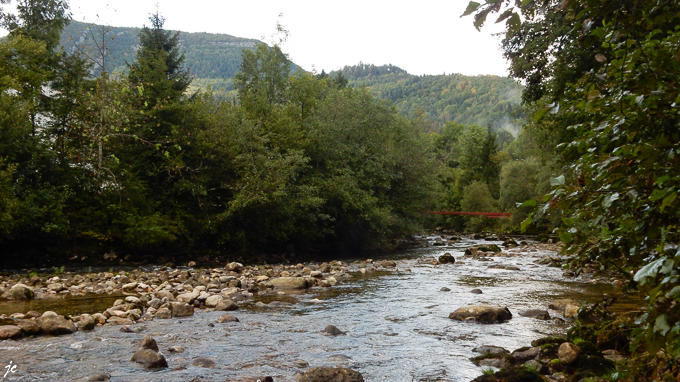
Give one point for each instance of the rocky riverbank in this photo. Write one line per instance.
(164, 293)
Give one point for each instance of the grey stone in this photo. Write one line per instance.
(447, 258)
(150, 359)
(20, 292)
(330, 374)
(333, 330)
(482, 313)
(226, 318)
(181, 309)
(203, 362)
(568, 353)
(10, 332)
(289, 283)
(56, 325)
(535, 313)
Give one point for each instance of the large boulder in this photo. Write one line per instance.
(226, 305)
(289, 283)
(234, 267)
(482, 313)
(29, 327)
(535, 313)
(568, 353)
(212, 301)
(54, 324)
(86, 322)
(150, 359)
(10, 332)
(181, 309)
(20, 292)
(330, 374)
(447, 258)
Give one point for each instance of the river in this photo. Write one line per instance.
(397, 328)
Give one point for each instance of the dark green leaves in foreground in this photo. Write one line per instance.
(610, 101)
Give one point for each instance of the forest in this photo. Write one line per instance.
(133, 164)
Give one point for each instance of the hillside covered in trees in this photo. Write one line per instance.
(213, 59)
(481, 100)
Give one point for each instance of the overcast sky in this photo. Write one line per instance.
(422, 37)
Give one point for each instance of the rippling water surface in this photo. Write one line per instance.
(397, 328)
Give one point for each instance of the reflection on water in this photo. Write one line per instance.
(397, 329)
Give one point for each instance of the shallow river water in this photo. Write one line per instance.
(397, 328)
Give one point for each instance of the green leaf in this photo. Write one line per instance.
(565, 237)
(649, 270)
(668, 200)
(609, 199)
(526, 223)
(674, 293)
(528, 203)
(505, 15)
(661, 325)
(657, 194)
(540, 114)
(472, 6)
(558, 181)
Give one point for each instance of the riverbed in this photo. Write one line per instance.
(396, 327)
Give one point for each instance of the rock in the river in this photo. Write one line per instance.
(488, 248)
(489, 349)
(561, 304)
(10, 332)
(29, 327)
(20, 292)
(150, 359)
(226, 318)
(289, 283)
(148, 343)
(525, 354)
(482, 313)
(176, 349)
(53, 324)
(99, 377)
(535, 313)
(226, 305)
(447, 258)
(330, 374)
(568, 353)
(203, 362)
(163, 313)
(500, 361)
(86, 322)
(476, 291)
(445, 289)
(333, 330)
(212, 301)
(181, 309)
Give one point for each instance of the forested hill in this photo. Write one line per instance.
(480, 100)
(213, 59)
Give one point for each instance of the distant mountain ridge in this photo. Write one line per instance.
(214, 59)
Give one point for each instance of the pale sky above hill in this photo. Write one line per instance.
(422, 37)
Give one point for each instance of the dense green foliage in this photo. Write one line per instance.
(93, 163)
(480, 100)
(602, 79)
